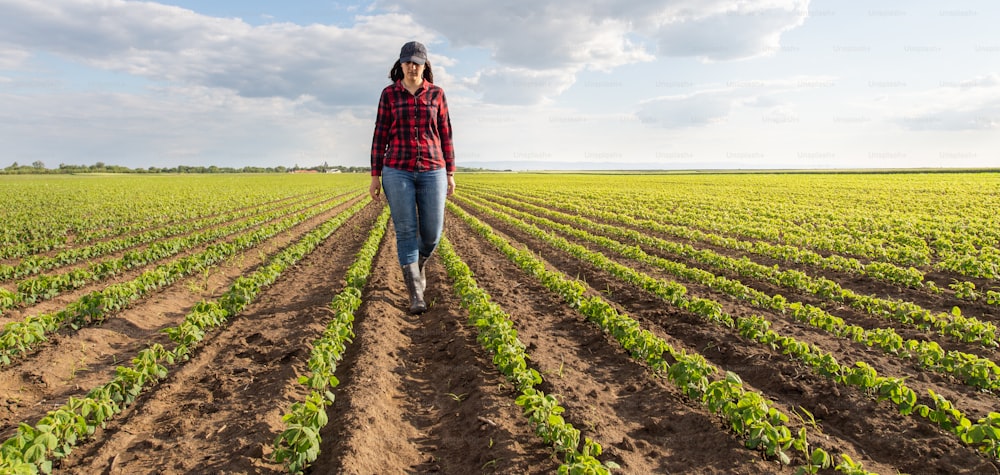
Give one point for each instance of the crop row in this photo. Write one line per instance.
(771, 224)
(35, 264)
(44, 214)
(47, 286)
(20, 337)
(966, 329)
(884, 271)
(984, 434)
(299, 444)
(971, 369)
(881, 271)
(72, 211)
(497, 335)
(785, 212)
(33, 448)
(749, 413)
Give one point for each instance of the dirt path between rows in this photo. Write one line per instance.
(419, 394)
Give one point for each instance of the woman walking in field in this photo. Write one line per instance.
(413, 154)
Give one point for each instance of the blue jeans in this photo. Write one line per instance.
(416, 202)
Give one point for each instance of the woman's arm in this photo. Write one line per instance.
(444, 130)
(380, 139)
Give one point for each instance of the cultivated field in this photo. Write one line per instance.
(683, 323)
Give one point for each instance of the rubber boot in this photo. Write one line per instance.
(422, 262)
(414, 286)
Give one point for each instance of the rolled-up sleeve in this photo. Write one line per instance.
(380, 139)
(444, 129)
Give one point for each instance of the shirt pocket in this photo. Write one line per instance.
(402, 111)
(427, 111)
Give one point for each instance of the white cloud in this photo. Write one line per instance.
(530, 34)
(519, 86)
(714, 104)
(11, 58)
(177, 125)
(336, 65)
(968, 105)
(596, 33)
(170, 44)
(724, 30)
(601, 34)
(141, 83)
(689, 110)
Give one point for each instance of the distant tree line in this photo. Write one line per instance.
(38, 167)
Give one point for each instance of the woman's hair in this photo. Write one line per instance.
(396, 73)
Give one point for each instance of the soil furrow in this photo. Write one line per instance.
(882, 434)
(221, 411)
(65, 297)
(73, 362)
(418, 394)
(969, 398)
(645, 424)
(858, 283)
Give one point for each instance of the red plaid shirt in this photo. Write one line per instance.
(412, 131)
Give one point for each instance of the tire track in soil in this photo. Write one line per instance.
(220, 411)
(643, 423)
(73, 362)
(887, 440)
(418, 394)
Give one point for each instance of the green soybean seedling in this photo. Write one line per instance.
(811, 422)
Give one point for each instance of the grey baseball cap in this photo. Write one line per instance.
(413, 52)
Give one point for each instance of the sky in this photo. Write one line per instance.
(581, 84)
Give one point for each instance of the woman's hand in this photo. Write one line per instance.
(375, 189)
(451, 185)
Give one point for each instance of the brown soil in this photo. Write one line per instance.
(418, 394)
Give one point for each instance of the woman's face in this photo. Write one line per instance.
(413, 71)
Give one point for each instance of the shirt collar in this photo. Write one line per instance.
(423, 85)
